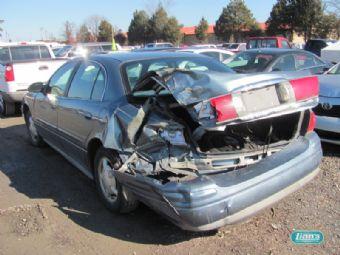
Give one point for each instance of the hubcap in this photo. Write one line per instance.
(107, 180)
(32, 129)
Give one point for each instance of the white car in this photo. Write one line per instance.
(328, 110)
(219, 54)
(22, 64)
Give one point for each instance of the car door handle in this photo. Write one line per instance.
(43, 68)
(87, 116)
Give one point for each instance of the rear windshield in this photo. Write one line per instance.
(133, 71)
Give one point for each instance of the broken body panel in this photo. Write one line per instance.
(203, 147)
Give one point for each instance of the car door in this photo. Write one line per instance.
(78, 111)
(46, 104)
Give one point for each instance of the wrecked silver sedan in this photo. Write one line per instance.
(182, 133)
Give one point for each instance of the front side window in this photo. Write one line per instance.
(83, 81)
(45, 54)
(60, 79)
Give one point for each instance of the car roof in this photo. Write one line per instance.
(139, 55)
(275, 51)
(199, 50)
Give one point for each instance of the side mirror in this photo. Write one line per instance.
(36, 87)
(70, 54)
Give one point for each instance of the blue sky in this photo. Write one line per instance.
(30, 19)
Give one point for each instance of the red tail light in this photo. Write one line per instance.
(312, 122)
(224, 107)
(9, 73)
(305, 88)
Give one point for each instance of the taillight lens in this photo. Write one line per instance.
(305, 88)
(312, 122)
(9, 73)
(224, 108)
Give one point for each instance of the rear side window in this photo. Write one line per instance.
(304, 61)
(83, 81)
(4, 54)
(285, 63)
(45, 54)
(99, 86)
(25, 53)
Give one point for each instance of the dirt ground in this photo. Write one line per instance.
(48, 207)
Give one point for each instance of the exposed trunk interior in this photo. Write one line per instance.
(246, 136)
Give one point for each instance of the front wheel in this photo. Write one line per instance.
(34, 137)
(113, 194)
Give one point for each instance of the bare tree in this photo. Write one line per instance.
(68, 32)
(93, 23)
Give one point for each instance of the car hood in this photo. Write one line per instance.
(329, 85)
(190, 87)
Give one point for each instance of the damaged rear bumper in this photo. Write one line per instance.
(212, 201)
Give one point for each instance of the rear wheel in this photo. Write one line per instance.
(8, 108)
(114, 195)
(34, 137)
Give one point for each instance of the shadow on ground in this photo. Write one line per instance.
(41, 173)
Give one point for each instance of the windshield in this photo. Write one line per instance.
(248, 62)
(135, 70)
(63, 51)
(335, 70)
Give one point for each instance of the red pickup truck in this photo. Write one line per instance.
(268, 42)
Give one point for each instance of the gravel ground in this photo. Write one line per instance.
(48, 207)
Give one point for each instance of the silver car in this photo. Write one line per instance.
(328, 110)
(180, 132)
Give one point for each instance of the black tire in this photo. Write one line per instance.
(35, 139)
(8, 108)
(124, 201)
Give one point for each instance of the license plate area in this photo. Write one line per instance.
(260, 99)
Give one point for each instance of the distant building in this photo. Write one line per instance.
(189, 36)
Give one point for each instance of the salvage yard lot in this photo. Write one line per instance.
(48, 207)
